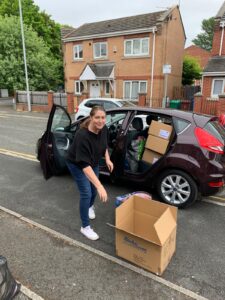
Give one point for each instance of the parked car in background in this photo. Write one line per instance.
(86, 105)
(192, 164)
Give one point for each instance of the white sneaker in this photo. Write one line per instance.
(89, 233)
(91, 212)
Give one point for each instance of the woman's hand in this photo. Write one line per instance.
(102, 193)
(109, 165)
(88, 171)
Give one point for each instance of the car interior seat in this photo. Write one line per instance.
(135, 131)
(137, 125)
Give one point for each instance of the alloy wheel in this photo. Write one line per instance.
(175, 189)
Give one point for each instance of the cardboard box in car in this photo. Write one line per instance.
(156, 144)
(160, 130)
(150, 156)
(146, 233)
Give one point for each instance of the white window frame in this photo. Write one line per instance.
(100, 56)
(139, 84)
(76, 49)
(77, 91)
(216, 96)
(107, 92)
(132, 47)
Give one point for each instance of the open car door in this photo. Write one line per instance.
(55, 142)
(119, 145)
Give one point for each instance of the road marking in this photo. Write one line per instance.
(218, 198)
(213, 202)
(18, 154)
(106, 256)
(30, 294)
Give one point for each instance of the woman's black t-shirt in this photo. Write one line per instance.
(87, 147)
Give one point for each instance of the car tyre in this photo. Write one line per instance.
(177, 188)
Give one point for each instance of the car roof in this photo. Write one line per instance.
(104, 99)
(187, 115)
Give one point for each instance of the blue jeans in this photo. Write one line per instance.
(87, 190)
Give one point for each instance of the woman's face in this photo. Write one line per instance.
(98, 120)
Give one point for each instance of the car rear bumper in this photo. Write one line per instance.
(213, 185)
(211, 191)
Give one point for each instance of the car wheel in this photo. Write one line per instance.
(177, 188)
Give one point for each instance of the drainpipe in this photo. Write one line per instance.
(222, 24)
(112, 86)
(153, 61)
(114, 90)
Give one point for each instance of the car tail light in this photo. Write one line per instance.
(208, 141)
(216, 184)
(76, 109)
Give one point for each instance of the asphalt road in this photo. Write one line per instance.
(199, 261)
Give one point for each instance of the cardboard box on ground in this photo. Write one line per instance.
(157, 141)
(146, 233)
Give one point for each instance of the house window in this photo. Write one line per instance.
(100, 50)
(107, 88)
(78, 52)
(132, 88)
(217, 87)
(136, 47)
(79, 87)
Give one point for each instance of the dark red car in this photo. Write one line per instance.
(193, 163)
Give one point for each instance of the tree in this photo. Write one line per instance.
(40, 22)
(204, 40)
(41, 64)
(191, 70)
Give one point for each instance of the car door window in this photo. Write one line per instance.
(181, 125)
(61, 120)
(92, 103)
(114, 123)
(109, 105)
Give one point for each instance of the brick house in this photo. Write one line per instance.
(124, 57)
(201, 55)
(213, 77)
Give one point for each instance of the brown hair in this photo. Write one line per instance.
(93, 111)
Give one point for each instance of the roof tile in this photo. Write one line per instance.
(215, 64)
(115, 25)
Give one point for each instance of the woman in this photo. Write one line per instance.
(89, 145)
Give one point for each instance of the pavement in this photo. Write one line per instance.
(50, 265)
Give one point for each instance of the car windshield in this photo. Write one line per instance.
(126, 103)
(216, 130)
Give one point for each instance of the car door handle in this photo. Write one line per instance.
(66, 147)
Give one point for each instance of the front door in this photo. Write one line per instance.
(95, 89)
